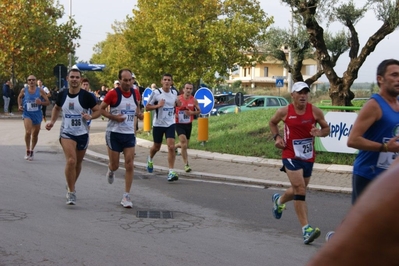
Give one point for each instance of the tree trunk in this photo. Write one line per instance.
(340, 93)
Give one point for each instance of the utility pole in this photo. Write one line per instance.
(289, 76)
(70, 17)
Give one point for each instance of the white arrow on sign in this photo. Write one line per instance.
(96, 67)
(206, 101)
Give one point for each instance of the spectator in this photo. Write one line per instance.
(12, 101)
(6, 96)
(48, 93)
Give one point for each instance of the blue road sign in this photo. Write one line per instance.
(89, 67)
(279, 83)
(205, 100)
(146, 95)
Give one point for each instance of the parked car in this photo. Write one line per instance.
(230, 102)
(223, 98)
(256, 103)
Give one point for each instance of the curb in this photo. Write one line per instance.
(224, 178)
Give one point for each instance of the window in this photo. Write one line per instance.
(283, 102)
(272, 102)
(266, 72)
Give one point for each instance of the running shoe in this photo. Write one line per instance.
(27, 155)
(126, 202)
(67, 189)
(110, 175)
(277, 208)
(187, 168)
(30, 156)
(329, 235)
(177, 151)
(172, 176)
(71, 198)
(150, 165)
(310, 234)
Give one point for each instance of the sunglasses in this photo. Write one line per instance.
(31, 79)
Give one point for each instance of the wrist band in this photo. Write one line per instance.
(384, 147)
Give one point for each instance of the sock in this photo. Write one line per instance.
(126, 194)
(149, 159)
(170, 170)
(278, 201)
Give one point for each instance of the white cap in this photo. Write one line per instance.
(116, 82)
(300, 85)
(133, 76)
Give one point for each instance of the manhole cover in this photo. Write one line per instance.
(155, 214)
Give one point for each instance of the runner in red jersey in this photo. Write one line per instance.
(184, 118)
(297, 137)
(300, 119)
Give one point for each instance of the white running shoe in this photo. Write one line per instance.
(27, 155)
(126, 202)
(110, 175)
(30, 156)
(71, 198)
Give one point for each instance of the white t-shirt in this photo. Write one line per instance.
(163, 116)
(45, 89)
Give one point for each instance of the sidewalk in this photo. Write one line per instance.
(231, 168)
(220, 167)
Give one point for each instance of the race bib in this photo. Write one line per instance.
(129, 118)
(167, 114)
(182, 117)
(73, 122)
(303, 148)
(32, 106)
(385, 159)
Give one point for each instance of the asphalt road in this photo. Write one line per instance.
(214, 223)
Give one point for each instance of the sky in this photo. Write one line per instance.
(97, 16)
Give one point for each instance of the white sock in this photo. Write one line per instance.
(278, 201)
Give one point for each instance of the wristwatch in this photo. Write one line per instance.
(275, 136)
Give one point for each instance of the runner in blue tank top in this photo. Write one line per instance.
(376, 131)
(31, 99)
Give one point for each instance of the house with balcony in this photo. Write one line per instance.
(265, 74)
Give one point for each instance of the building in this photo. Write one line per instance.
(265, 74)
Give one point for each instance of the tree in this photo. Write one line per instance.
(192, 39)
(31, 40)
(311, 12)
(114, 53)
(297, 42)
